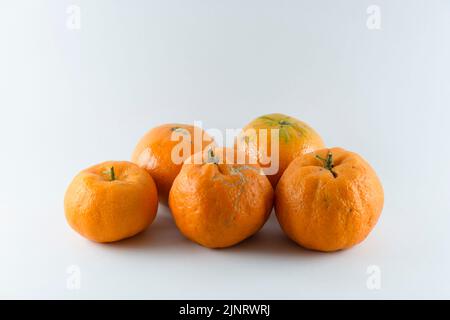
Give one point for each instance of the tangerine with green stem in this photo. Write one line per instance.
(219, 203)
(329, 199)
(111, 201)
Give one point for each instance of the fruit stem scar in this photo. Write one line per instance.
(328, 163)
(212, 157)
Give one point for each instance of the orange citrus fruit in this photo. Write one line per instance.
(219, 204)
(329, 199)
(162, 150)
(295, 138)
(111, 201)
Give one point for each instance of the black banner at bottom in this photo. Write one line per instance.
(218, 309)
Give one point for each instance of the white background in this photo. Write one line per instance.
(73, 98)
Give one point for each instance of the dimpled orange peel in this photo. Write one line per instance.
(295, 138)
(220, 204)
(161, 152)
(111, 201)
(329, 199)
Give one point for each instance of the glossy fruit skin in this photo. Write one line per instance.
(220, 205)
(102, 210)
(295, 138)
(327, 213)
(154, 151)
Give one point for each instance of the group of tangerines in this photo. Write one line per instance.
(324, 199)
